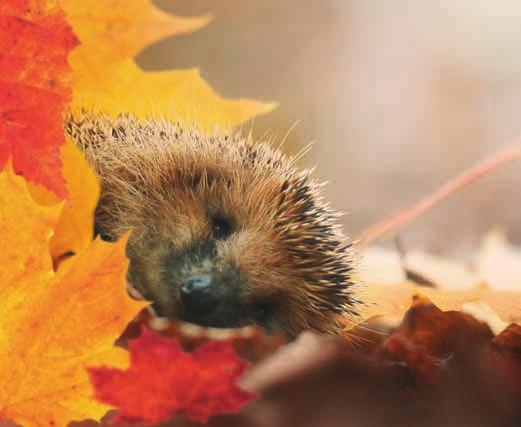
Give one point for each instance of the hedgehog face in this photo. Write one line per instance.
(224, 231)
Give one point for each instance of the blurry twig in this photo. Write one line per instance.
(405, 216)
(411, 275)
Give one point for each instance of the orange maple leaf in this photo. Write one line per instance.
(35, 83)
(386, 291)
(54, 324)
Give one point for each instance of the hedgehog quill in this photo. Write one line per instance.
(225, 231)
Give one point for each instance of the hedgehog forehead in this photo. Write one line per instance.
(230, 171)
(156, 141)
(230, 156)
(243, 195)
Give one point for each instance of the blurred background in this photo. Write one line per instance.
(396, 97)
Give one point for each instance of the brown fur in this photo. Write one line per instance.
(162, 181)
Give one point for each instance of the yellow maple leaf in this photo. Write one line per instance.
(75, 228)
(106, 78)
(119, 30)
(52, 325)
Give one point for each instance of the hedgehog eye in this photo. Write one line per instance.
(102, 234)
(106, 237)
(221, 228)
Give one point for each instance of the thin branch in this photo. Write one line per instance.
(405, 216)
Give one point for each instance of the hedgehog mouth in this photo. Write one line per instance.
(222, 315)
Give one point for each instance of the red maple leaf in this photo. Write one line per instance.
(35, 86)
(163, 381)
(427, 336)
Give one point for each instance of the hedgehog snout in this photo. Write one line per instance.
(211, 297)
(201, 287)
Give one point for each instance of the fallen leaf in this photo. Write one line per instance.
(107, 79)
(509, 340)
(506, 352)
(428, 335)
(35, 80)
(251, 342)
(180, 95)
(393, 300)
(54, 324)
(119, 30)
(75, 229)
(386, 293)
(163, 381)
(437, 369)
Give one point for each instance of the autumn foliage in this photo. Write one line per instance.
(436, 368)
(64, 302)
(35, 86)
(417, 355)
(195, 385)
(54, 323)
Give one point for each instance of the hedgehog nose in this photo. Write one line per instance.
(197, 294)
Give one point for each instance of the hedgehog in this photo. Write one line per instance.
(225, 231)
